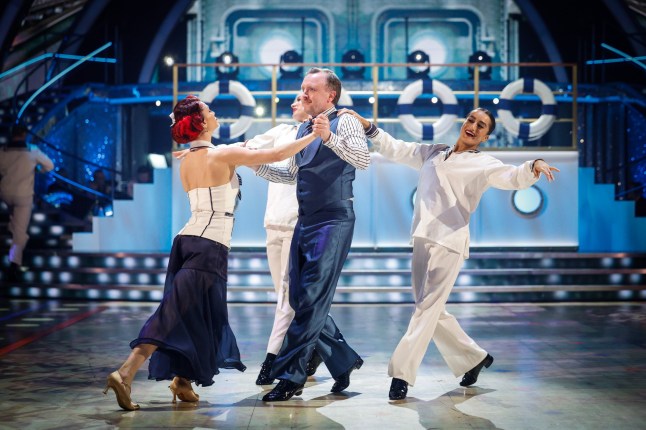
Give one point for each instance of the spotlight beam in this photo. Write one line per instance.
(60, 75)
(626, 56)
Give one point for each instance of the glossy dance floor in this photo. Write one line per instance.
(569, 366)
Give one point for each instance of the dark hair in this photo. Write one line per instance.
(492, 119)
(333, 81)
(189, 122)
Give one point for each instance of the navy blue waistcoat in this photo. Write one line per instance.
(323, 178)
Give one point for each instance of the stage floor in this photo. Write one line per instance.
(557, 366)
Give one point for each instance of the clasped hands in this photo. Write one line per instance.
(321, 127)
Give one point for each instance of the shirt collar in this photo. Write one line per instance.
(329, 111)
(450, 151)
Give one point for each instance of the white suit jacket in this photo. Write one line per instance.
(449, 189)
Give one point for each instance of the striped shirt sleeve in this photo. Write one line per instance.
(284, 174)
(349, 142)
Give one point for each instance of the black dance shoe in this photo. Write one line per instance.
(342, 381)
(283, 391)
(313, 364)
(398, 389)
(14, 274)
(265, 368)
(471, 377)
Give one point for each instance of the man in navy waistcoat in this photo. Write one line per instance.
(324, 172)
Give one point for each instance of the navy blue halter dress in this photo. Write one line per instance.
(191, 325)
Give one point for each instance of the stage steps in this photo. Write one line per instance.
(368, 276)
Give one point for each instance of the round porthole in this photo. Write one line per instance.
(528, 202)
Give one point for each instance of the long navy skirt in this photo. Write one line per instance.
(191, 325)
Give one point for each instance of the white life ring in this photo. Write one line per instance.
(427, 131)
(247, 105)
(535, 129)
(345, 101)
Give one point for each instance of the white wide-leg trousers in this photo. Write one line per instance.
(278, 243)
(434, 271)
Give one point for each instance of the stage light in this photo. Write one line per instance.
(169, 61)
(53, 292)
(625, 294)
(480, 57)
(55, 261)
(129, 262)
(418, 57)
(123, 278)
(227, 71)
(353, 72)
(291, 72)
(135, 295)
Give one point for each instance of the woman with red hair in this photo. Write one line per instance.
(188, 338)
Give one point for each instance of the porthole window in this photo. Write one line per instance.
(528, 202)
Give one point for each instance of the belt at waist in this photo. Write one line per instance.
(339, 204)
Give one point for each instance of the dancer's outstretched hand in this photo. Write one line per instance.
(541, 166)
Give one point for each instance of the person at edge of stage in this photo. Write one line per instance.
(451, 182)
(188, 338)
(324, 173)
(19, 163)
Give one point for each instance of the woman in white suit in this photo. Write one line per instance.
(451, 182)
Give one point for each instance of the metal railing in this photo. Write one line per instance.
(375, 68)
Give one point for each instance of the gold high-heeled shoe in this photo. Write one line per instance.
(182, 389)
(121, 390)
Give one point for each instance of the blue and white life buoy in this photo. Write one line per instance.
(247, 102)
(405, 108)
(535, 129)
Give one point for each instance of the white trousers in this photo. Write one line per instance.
(20, 209)
(278, 243)
(434, 271)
